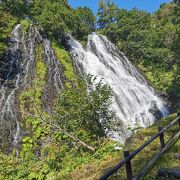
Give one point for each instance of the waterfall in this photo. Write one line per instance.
(135, 102)
(21, 63)
(55, 75)
(54, 67)
(8, 113)
(21, 60)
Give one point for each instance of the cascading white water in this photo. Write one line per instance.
(8, 113)
(55, 76)
(135, 102)
(28, 57)
(21, 60)
(54, 67)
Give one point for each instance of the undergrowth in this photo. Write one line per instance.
(7, 23)
(65, 60)
(63, 160)
(95, 169)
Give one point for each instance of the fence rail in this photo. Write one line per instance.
(127, 160)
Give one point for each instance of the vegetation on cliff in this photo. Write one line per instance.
(151, 41)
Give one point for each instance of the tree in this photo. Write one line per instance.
(56, 17)
(17, 8)
(86, 108)
(85, 22)
(107, 13)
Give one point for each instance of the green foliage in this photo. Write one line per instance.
(65, 60)
(85, 23)
(18, 8)
(57, 18)
(57, 161)
(81, 112)
(7, 23)
(107, 13)
(25, 25)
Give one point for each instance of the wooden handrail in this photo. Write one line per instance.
(158, 155)
(127, 159)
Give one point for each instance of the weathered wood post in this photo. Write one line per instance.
(178, 115)
(128, 166)
(170, 176)
(161, 138)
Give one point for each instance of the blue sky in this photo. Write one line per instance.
(148, 5)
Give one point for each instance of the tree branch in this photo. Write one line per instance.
(57, 127)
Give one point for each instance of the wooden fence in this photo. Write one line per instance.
(127, 157)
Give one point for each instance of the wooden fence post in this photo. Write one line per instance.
(178, 115)
(128, 166)
(161, 138)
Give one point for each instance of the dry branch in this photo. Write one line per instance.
(63, 131)
(57, 127)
